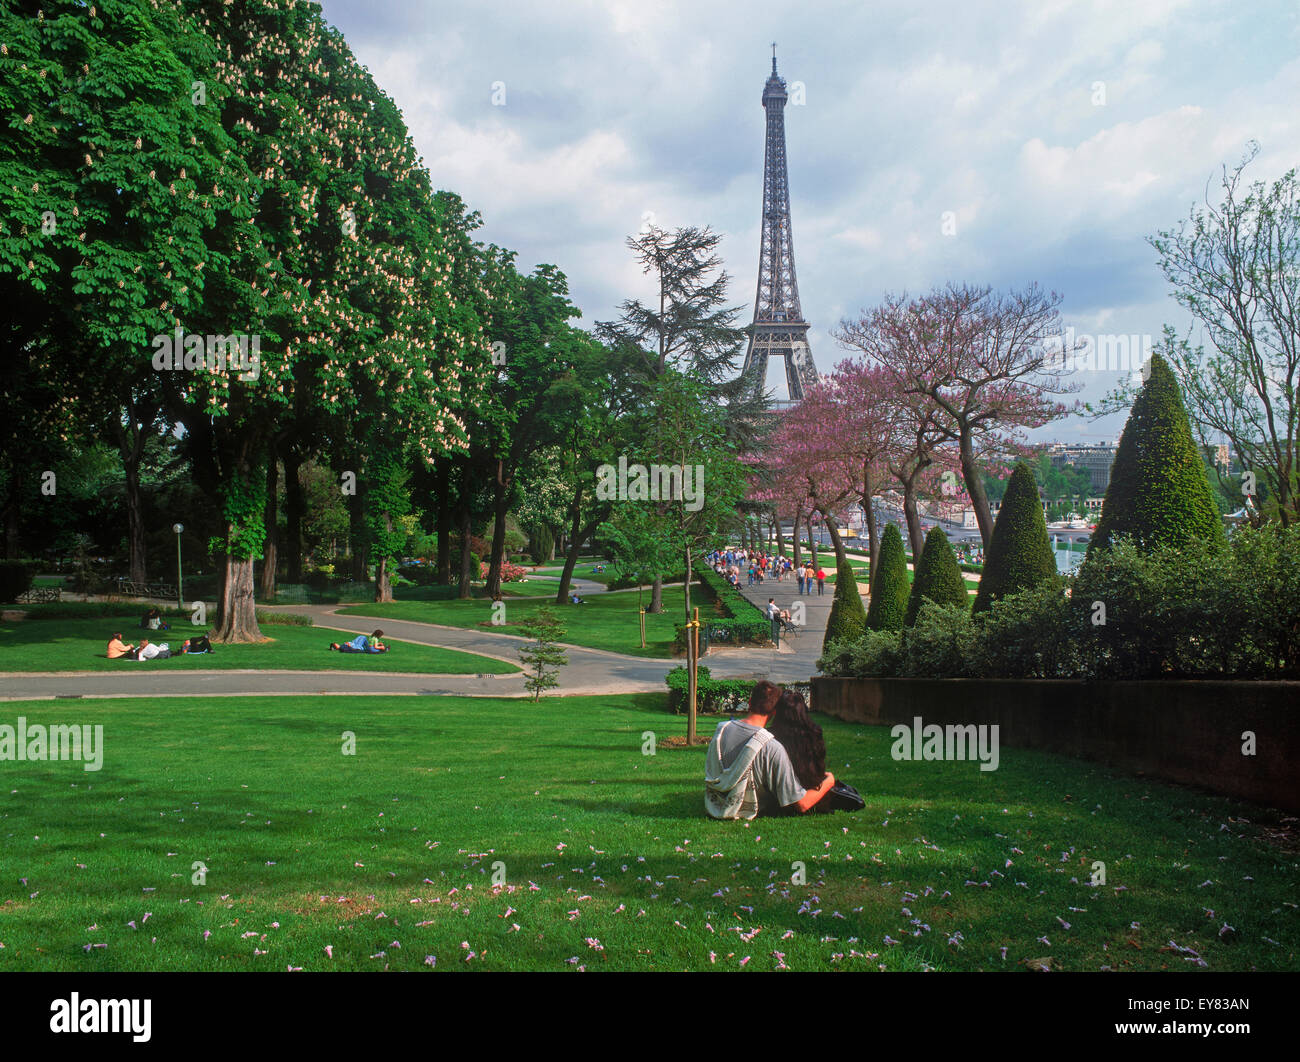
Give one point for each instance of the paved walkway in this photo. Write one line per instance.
(589, 671)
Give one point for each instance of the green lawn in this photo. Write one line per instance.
(385, 858)
(78, 644)
(605, 621)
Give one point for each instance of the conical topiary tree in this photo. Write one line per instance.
(848, 619)
(937, 577)
(1019, 554)
(889, 584)
(1158, 494)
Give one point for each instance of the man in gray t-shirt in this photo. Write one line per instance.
(768, 786)
(773, 774)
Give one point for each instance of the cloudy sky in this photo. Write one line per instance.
(1053, 136)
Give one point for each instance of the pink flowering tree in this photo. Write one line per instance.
(988, 364)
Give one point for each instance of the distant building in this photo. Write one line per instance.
(1095, 459)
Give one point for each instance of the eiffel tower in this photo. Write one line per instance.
(779, 329)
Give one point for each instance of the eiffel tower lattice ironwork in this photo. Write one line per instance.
(779, 329)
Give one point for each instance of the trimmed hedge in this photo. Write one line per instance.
(712, 695)
(1020, 554)
(1159, 493)
(937, 578)
(889, 587)
(715, 696)
(747, 622)
(283, 619)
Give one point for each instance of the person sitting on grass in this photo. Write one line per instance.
(802, 740)
(152, 621)
(153, 650)
(118, 650)
(748, 771)
(362, 643)
(574, 599)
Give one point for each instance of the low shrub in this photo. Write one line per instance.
(712, 696)
(15, 578)
(283, 619)
(419, 574)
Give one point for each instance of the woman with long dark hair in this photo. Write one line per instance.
(803, 742)
(801, 738)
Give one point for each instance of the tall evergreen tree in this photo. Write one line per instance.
(848, 619)
(688, 327)
(937, 577)
(1019, 554)
(889, 584)
(1158, 493)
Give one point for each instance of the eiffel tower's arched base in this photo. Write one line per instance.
(786, 343)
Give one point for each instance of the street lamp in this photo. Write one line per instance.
(180, 597)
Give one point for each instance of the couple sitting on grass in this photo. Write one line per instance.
(362, 643)
(772, 762)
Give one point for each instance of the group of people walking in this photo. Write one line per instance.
(758, 566)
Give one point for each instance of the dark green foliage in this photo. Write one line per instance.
(874, 655)
(747, 622)
(543, 656)
(889, 589)
(711, 695)
(1195, 611)
(542, 543)
(1159, 493)
(419, 574)
(15, 578)
(1019, 554)
(937, 577)
(848, 619)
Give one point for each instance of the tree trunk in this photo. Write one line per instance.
(692, 643)
(294, 506)
(571, 555)
(269, 546)
(656, 596)
(11, 532)
(444, 523)
(236, 608)
(383, 569)
(869, 517)
(135, 520)
(913, 521)
(383, 585)
(979, 500)
(465, 590)
(841, 559)
(500, 503)
(798, 549)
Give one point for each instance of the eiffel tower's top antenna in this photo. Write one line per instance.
(774, 58)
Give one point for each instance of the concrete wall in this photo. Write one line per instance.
(1187, 732)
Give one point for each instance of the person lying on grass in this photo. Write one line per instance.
(748, 772)
(152, 650)
(362, 643)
